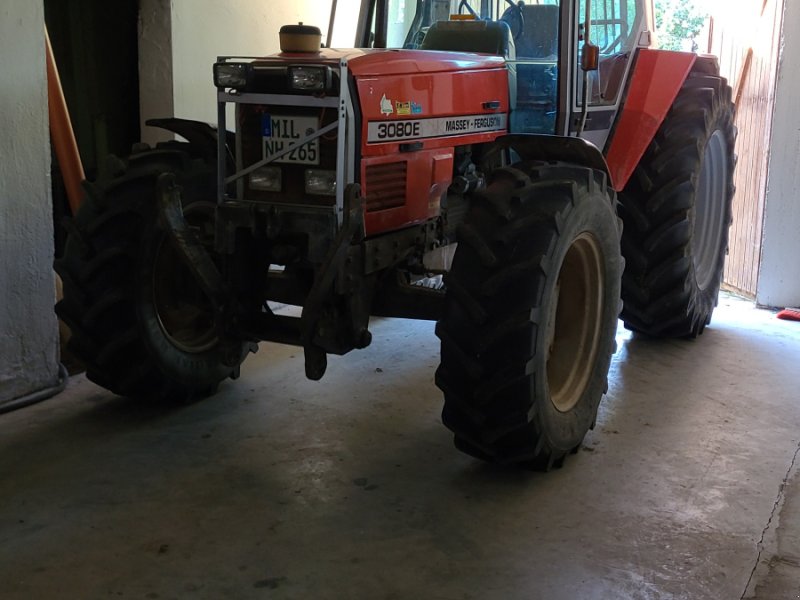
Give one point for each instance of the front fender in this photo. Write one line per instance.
(201, 135)
(553, 148)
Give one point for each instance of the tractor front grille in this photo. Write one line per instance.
(293, 171)
(385, 186)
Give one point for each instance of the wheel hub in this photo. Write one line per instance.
(184, 312)
(575, 322)
(709, 211)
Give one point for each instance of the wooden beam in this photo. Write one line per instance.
(744, 73)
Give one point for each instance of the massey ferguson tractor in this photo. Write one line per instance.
(468, 164)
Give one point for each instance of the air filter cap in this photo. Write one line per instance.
(300, 38)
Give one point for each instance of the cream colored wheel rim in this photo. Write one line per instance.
(573, 328)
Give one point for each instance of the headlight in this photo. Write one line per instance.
(266, 179)
(308, 79)
(232, 75)
(320, 183)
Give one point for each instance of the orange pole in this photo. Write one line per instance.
(62, 134)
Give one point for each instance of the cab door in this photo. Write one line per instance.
(615, 27)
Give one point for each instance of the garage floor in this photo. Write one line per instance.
(350, 488)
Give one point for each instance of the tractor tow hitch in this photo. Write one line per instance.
(313, 338)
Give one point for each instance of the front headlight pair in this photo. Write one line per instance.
(239, 76)
(318, 182)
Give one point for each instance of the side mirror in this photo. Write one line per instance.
(590, 57)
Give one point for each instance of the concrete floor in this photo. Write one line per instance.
(350, 488)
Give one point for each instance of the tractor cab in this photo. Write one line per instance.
(550, 58)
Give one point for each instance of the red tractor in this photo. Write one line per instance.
(471, 165)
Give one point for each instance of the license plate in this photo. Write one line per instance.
(281, 132)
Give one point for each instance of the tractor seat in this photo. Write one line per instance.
(484, 37)
(539, 35)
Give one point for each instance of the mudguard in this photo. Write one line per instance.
(656, 80)
(201, 135)
(553, 148)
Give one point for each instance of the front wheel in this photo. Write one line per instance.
(140, 322)
(530, 317)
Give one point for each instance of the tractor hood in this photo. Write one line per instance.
(372, 63)
(377, 62)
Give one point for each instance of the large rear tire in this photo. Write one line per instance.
(677, 211)
(139, 321)
(530, 316)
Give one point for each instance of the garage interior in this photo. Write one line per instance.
(350, 487)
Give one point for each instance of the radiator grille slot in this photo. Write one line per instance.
(386, 186)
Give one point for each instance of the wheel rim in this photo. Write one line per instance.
(709, 210)
(574, 323)
(185, 314)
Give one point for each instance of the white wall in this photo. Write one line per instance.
(205, 29)
(181, 39)
(155, 66)
(28, 329)
(779, 282)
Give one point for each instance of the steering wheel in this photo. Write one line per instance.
(515, 19)
(470, 10)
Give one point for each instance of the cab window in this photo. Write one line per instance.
(612, 25)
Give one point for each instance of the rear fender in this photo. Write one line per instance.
(655, 81)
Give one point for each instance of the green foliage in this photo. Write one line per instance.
(678, 23)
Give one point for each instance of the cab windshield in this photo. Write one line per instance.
(410, 20)
(526, 35)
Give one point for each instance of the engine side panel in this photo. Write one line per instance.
(403, 190)
(434, 109)
(410, 125)
(655, 82)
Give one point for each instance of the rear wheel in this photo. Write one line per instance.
(530, 318)
(677, 210)
(139, 321)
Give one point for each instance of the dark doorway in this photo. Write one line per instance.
(95, 45)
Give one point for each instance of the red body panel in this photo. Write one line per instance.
(428, 175)
(656, 80)
(433, 95)
(416, 107)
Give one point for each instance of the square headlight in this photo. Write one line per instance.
(320, 182)
(266, 179)
(308, 79)
(232, 75)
